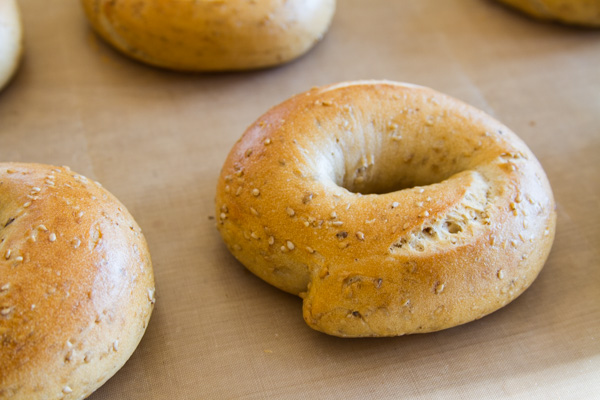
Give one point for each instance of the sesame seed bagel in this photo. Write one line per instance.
(211, 35)
(389, 208)
(576, 12)
(76, 283)
(11, 37)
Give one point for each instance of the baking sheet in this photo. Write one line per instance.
(157, 140)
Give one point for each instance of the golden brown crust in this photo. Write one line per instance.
(575, 12)
(76, 283)
(468, 233)
(11, 37)
(213, 35)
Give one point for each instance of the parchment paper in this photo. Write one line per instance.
(157, 140)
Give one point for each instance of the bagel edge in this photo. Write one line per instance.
(211, 35)
(11, 40)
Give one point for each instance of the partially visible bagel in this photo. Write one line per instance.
(76, 283)
(389, 208)
(11, 38)
(211, 35)
(575, 12)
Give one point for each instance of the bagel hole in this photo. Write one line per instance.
(370, 179)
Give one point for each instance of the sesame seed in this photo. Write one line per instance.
(439, 288)
(35, 189)
(228, 178)
(27, 204)
(500, 274)
(513, 206)
(151, 297)
(5, 311)
(290, 212)
(271, 240)
(238, 191)
(7, 254)
(360, 235)
(395, 204)
(67, 389)
(223, 216)
(115, 345)
(333, 215)
(248, 152)
(52, 237)
(19, 258)
(283, 248)
(337, 223)
(405, 226)
(253, 211)
(76, 242)
(254, 236)
(310, 249)
(267, 141)
(227, 189)
(4, 287)
(42, 227)
(255, 192)
(424, 214)
(290, 245)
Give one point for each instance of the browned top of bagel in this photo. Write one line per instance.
(390, 208)
(211, 35)
(76, 283)
(576, 12)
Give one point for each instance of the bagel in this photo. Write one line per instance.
(11, 37)
(211, 35)
(389, 208)
(575, 12)
(76, 283)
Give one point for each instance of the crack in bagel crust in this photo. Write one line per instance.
(76, 283)
(389, 208)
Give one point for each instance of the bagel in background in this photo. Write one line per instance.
(574, 12)
(11, 40)
(76, 283)
(389, 208)
(211, 35)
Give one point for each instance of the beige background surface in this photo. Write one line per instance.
(157, 140)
